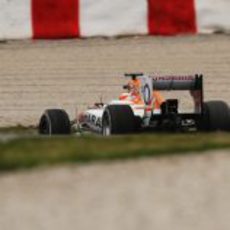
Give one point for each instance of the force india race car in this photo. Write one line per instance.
(142, 108)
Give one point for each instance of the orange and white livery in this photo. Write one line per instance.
(142, 108)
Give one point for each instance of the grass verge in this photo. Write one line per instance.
(30, 152)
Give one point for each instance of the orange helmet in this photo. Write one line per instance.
(135, 83)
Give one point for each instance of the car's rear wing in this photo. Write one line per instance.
(177, 82)
(172, 82)
(191, 83)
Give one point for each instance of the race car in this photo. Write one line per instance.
(142, 108)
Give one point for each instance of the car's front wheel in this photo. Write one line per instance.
(54, 122)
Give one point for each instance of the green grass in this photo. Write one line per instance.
(35, 151)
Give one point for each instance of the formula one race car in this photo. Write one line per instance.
(142, 108)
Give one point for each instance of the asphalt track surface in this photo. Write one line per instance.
(181, 192)
(73, 74)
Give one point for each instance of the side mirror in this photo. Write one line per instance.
(125, 86)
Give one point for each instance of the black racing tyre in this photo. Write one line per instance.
(54, 122)
(216, 116)
(118, 119)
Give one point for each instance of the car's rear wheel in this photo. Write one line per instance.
(54, 122)
(216, 116)
(118, 119)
